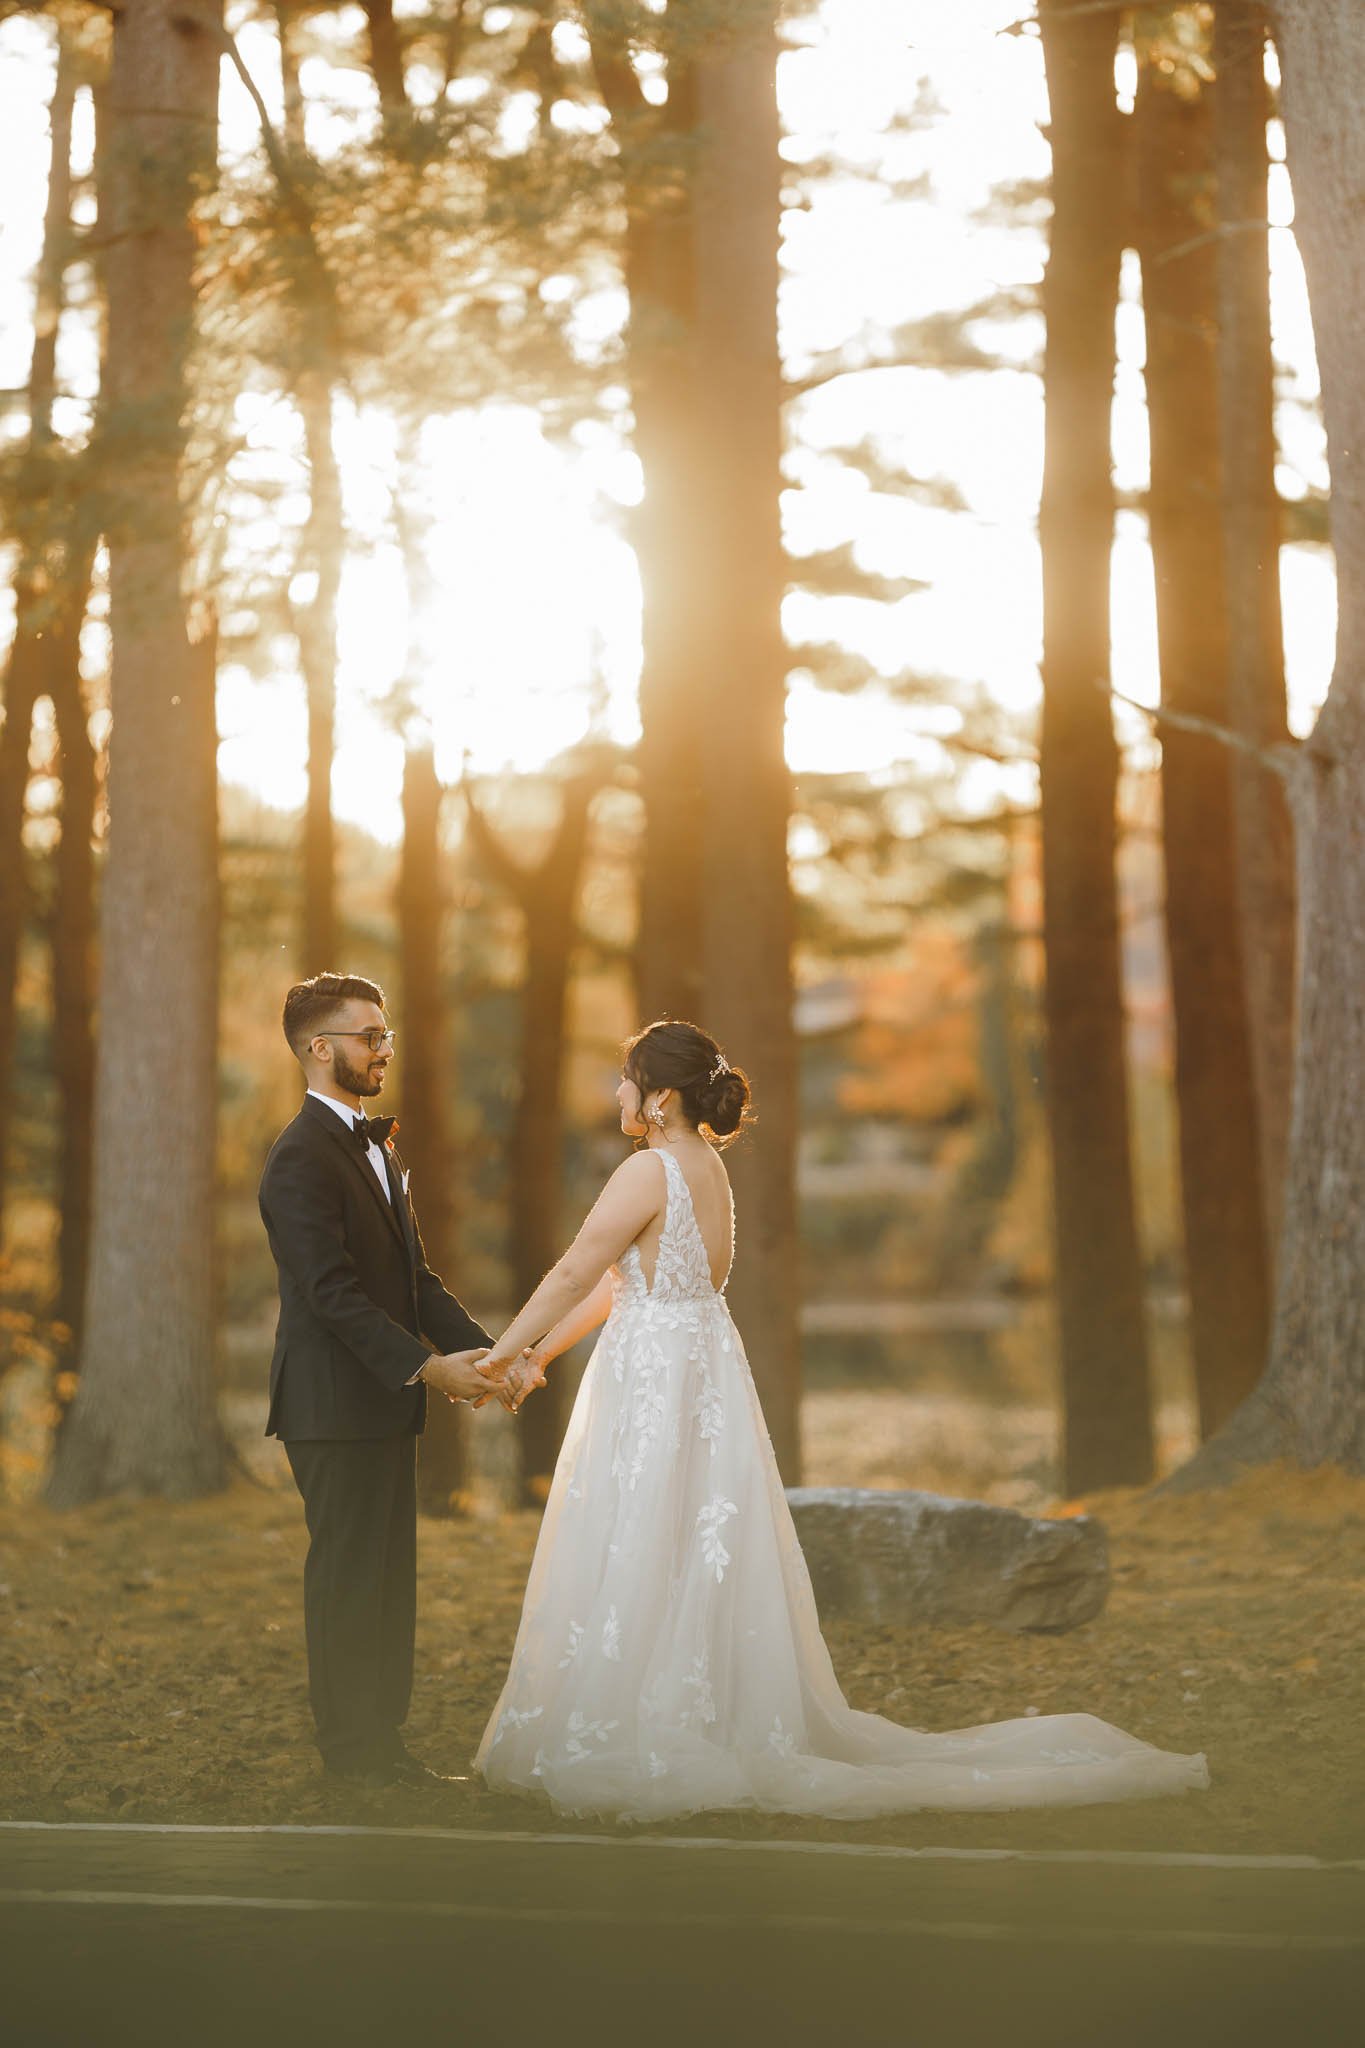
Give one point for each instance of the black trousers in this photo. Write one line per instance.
(359, 1592)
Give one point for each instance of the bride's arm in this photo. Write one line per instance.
(634, 1194)
(566, 1332)
(577, 1323)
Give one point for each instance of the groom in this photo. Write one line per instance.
(365, 1328)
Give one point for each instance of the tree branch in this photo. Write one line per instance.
(615, 74)
(797, 387)
(506, 870)
(274, 149)
(1224, 227)
(291, 192)
(1278, 759)
(959, 743)
(526, 880)
(1028, 21)
(386, 57)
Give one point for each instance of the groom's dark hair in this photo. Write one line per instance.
(311, 1005)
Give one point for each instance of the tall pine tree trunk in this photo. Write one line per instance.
(21, 692)
(1251, 556)
(37, 603)
(316, 626)
(1105, 1375)
(386, 56)
(1220, 1170)
(1310, 1405)
(537, 1177)
(144, 1419)
(324, 537)
(426, 1076)
(701, 188)
(72, 938)
(672, 753)
(291, 85)
(547, 896)
(737, 701)
(657, 163)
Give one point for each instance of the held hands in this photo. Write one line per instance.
(514, 1378)
(524, 1375)
(461, 1376)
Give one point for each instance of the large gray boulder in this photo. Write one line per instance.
(901, 1558)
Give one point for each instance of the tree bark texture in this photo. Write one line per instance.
(316, 623)
(21, 693)
(316, 374)
(386, 56)
(72, 939)
(143, 1419)
(657, 164)
(737, 702)
(1310, 1406)
(1106, 1389)
(1251, 558)
(295, 131)
(40, 581)
(426, 1076)
(547, 896)
(1220, 1170)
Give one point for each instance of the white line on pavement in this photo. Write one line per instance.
(796, 1923)
(1138, 1859)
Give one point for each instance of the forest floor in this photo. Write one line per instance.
(152, 1668)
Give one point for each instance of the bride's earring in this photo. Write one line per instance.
(656, 1116)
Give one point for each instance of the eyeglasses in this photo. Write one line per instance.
(374, 1038)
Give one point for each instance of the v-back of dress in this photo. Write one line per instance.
(669, 1659)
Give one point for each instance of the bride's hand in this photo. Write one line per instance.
(509, 1382)
(536, 1366)
(525, 1375)
(493, 1372)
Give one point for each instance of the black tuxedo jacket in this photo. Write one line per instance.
(360, 1308)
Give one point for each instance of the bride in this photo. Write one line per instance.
(669, 1659)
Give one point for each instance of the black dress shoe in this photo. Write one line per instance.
(410, 1770)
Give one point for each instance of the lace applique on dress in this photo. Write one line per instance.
(711, 1520)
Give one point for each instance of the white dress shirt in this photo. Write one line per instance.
(372, 1151)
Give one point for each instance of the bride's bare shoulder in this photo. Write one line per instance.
(637, 1165)
(638, 1176)
(631, 1196)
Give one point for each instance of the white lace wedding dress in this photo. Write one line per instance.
(669, 1659)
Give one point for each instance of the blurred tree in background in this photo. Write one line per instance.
(1101, 1315)
(1310, 1403)
(1176, 217)
(1252, 527)
(144, 1416)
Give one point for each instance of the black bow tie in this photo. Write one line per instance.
(373, 1130)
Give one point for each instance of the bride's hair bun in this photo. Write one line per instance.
(722, 1102)
(674, 1054)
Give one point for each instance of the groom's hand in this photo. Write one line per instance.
(456, 1374)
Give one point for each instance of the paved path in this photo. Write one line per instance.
(139, 1935)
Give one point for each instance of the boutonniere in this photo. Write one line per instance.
(393, 1133)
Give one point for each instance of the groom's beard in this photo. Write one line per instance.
(357, 1080)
